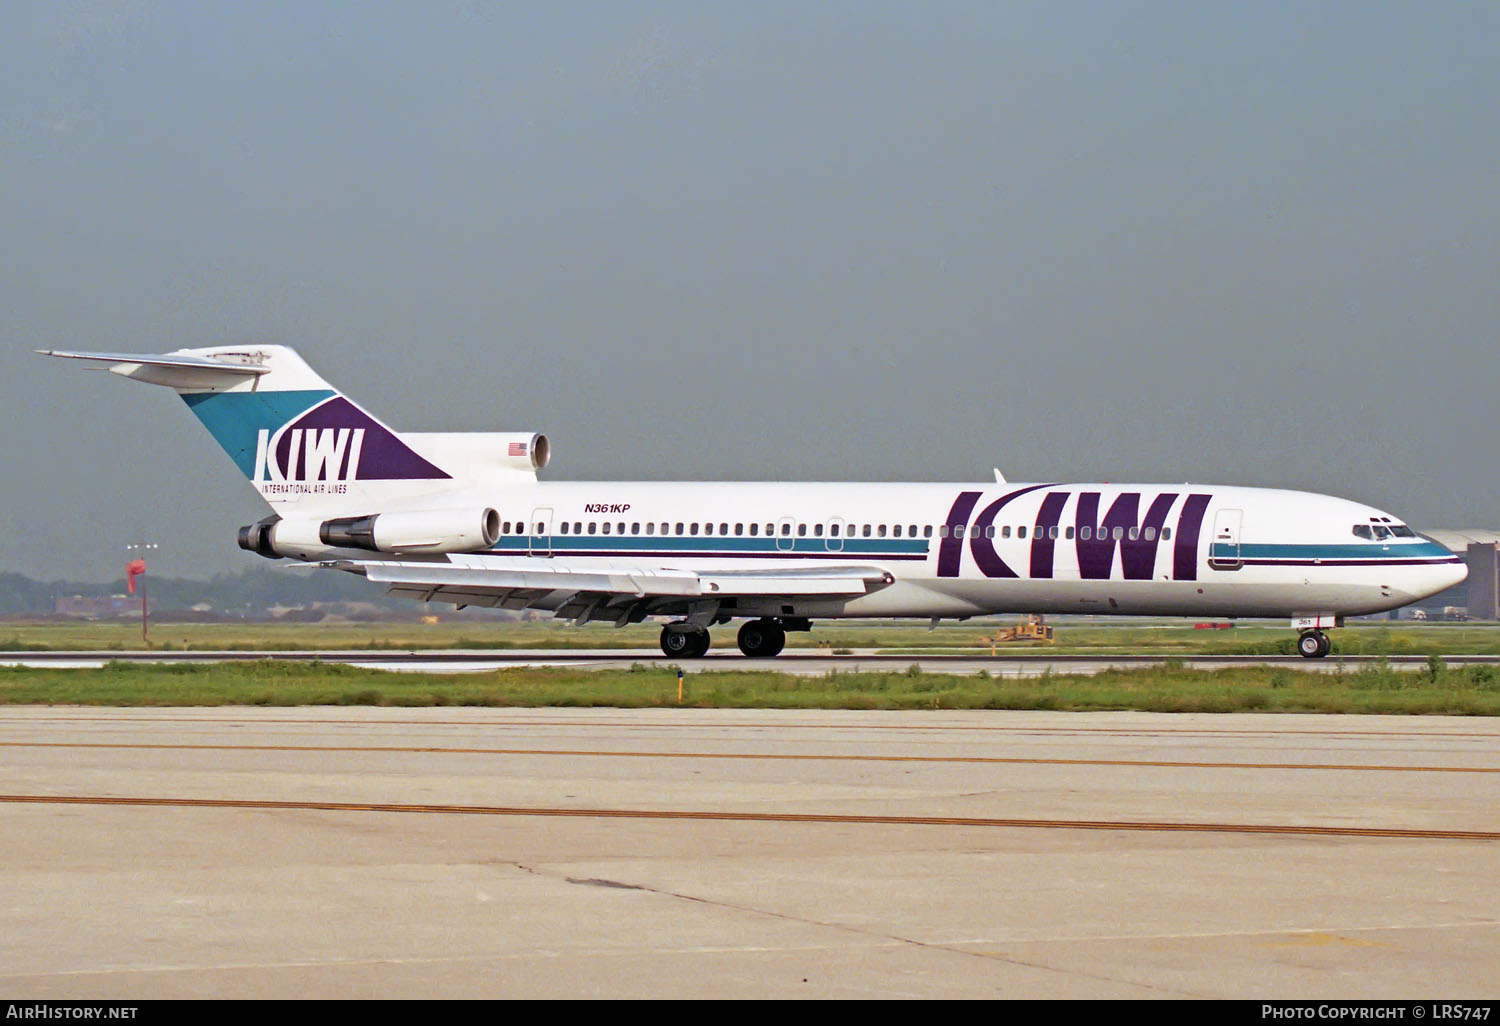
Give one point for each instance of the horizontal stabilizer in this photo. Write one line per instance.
(175, 370)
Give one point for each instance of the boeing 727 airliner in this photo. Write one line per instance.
(463, 519)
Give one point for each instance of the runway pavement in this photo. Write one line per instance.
(814, 662)
(375, 852)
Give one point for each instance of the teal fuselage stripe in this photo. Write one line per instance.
(1366, 551)
(712, 544)
(916, 547)
(235, 419)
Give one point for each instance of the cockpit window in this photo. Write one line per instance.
(1381, 532)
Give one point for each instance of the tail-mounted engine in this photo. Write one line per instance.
(434, 531)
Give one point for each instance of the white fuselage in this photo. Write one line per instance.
(964, 550)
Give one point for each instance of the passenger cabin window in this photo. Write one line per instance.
(786, 529)
(927, 531)
(833, 529)
(1166, 534)
(606, 527)
(1021, 531)
(801, 530)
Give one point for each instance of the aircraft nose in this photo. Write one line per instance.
(1442, 577)
(1456, 574)
(1426, 580)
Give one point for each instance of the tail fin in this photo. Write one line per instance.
(290, 432)
(298, 440)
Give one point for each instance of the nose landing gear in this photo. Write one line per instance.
(1313, 644)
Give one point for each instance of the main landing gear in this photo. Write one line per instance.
(1313, 644)
(762, 639)
(684, 640)
(758, 639)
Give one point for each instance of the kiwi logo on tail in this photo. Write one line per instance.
(337, 441)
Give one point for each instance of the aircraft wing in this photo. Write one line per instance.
(622, 593)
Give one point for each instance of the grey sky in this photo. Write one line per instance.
(1251, 243)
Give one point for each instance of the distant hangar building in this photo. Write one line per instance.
(1480, 594)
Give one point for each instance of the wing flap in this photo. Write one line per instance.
(408, 576)
(519, 583)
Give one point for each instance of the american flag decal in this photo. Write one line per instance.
(518, 448)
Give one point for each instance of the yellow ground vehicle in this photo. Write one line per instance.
(1034, 629)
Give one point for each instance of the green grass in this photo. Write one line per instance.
(1377, 688)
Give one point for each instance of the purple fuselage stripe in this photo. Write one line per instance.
(951, 547)
(981, 546)
(1185, 545)
(1043, 539)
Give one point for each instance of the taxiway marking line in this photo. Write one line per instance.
(916, 728)
(761, 817)
(768, 756)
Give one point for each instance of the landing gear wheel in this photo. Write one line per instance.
(762, 639)
(1314, 645)
(684, 642)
